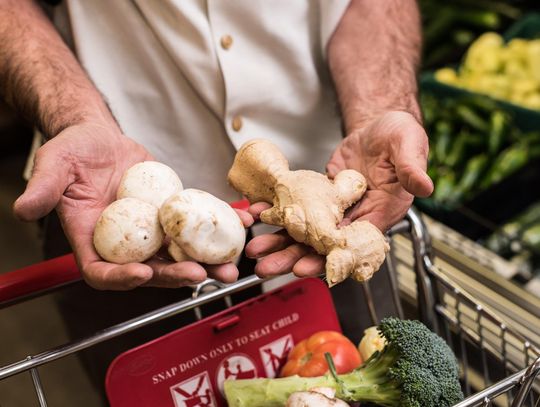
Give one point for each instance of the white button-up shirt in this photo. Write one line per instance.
(192, 80)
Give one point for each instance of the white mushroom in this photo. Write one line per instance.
(315, 398)
(128, 231)
(149, 181)
(206, 228)
(177, 253)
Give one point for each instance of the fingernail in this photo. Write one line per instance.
(255, 256)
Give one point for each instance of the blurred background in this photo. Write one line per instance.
(480, 95)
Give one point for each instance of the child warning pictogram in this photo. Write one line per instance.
(194, 392)
(274, 354)
(237, 366)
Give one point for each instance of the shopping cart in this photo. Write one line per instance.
(499, 366)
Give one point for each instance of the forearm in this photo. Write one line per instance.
(373, 56)
(39, 75)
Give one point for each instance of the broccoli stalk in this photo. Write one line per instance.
(415, 369)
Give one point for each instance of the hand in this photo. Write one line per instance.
(391, 152)
(78, 172)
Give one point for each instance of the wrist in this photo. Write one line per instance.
(89, 111)
(359, 119)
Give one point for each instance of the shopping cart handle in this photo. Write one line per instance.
(38, 277)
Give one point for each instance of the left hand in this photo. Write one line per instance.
(391, 152)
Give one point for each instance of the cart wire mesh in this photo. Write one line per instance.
(499, 366)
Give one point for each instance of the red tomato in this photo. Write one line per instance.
(306, 359)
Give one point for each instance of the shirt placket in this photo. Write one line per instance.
(228, 43)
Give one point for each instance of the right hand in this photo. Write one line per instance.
(78, 172)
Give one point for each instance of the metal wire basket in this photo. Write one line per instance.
(499, 366)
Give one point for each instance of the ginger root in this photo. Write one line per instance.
(310, 206)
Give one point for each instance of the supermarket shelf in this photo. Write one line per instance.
(533, 286)
(519, 308)
(481, 264)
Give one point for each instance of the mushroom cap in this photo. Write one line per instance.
(149, 181)
(128, 231)
(177, 253)
(206, 228)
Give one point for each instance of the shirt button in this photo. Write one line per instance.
(237, 123)
(226, 42)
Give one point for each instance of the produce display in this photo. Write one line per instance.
(450, 26)
(310, 206)
(519, 239)
(415, 368)
(510, 72)
(151, 206)
(474, 144)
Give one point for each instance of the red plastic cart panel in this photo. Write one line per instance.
(187, 367)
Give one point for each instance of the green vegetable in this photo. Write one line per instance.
(457, 152)
(429, 109)
(499, 243)
(531, 215)
(472, 173)
(506, 163)
(445, 187)
(484, 19)
(415, 369)
(482, 103)
(474, 143)
(439, 25)
(532, 137)
(463, 37)
(470, 117)
(523, 228)
(500, 7)
(497, 129)
(443, 132)
(475, 140)
(531, 237)
(512, 229)
(433, 174)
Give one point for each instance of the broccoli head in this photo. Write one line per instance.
(415, 369)
(417, 366)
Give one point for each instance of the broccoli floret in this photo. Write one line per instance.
(415, 369)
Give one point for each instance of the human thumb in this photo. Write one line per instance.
(415, 181)
(410, 162)
(50, 178)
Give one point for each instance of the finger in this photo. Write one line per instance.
(106, 276)
(78, 224)
(410, 161)
(226, 273)
(245, 217)
(263, 245)
(168, 274)
(311, 265)
(415, 180)
(256, 209)
(381, 208)
(281, 262)
(335, 164)
(50, 178)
